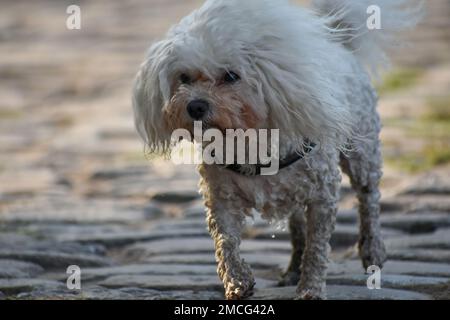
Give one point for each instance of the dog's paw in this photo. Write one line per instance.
(372, 252)
(310, 294)
(289, 278)
(238, 290)
(237, 279)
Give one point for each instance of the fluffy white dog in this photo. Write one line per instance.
(268, 64)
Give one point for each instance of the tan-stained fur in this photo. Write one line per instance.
(230, 109)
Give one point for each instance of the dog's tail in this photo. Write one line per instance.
(369, 27)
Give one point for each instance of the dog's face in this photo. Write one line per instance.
(181, 83)
(221, 100)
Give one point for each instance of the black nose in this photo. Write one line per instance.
(197, 109)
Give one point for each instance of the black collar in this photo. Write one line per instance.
(255, 170)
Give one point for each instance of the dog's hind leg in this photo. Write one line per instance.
(321, 217)
(225, 227)
(363, 166)
(297, 228)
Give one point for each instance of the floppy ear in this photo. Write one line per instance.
(303, 85)
(304, 103)
(151, 92)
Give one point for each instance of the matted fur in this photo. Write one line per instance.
(301, 71)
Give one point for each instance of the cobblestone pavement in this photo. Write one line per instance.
(75, 188)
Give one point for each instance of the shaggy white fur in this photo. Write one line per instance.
(301, 71)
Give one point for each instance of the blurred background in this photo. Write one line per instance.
(75, 184)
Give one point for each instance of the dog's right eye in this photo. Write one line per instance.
(185, 79)
(231, 77)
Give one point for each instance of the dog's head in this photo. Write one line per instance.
(240, 65)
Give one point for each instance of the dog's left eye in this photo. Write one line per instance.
(185, 79)
(231, 77)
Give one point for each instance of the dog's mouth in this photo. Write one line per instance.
(205, 126)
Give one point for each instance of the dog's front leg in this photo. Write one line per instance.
(225, 227)
(321, 217)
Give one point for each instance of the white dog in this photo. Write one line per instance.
(268, 64)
